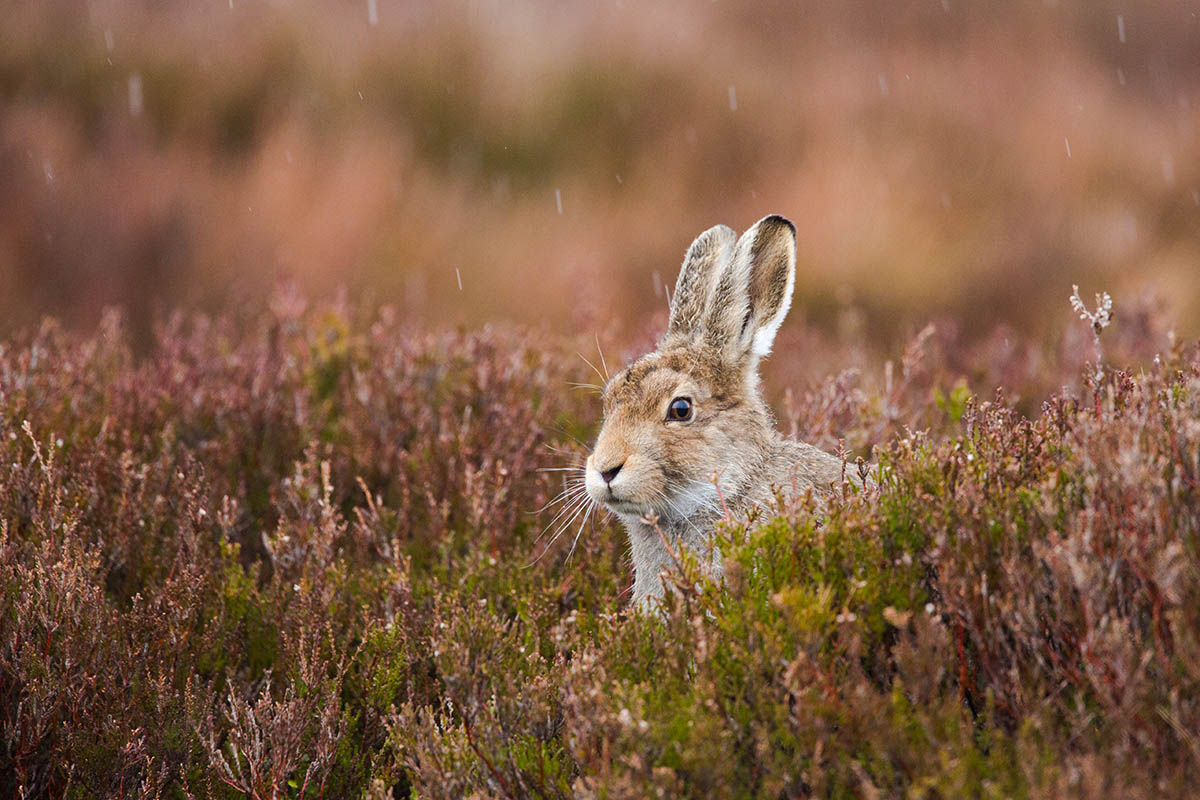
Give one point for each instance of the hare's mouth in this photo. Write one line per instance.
(619, 506)
(641, 509)
(628, 507)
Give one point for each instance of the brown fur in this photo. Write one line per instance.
(676, 478)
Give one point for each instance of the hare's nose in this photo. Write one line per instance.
(610, 474)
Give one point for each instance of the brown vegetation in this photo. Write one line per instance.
(295, 554)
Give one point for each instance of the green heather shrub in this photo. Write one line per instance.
(297, 553)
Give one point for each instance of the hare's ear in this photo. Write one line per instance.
(706, 259)
(753, 294)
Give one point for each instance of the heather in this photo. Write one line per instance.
(300, 551)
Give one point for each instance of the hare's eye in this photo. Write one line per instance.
(680, 409)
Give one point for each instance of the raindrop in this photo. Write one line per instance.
(372, 12)
(732, 97)
(619, 178)
(1121, 28)
(1168, 169)
(883, 85)
(135, 94)
(1067, 142)
(109, 41)
(1120, 76)
(558, 199)
(458, 275)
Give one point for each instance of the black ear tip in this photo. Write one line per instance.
(777, 221)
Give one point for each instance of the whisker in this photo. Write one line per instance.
(567, 495)
(547, 546)
(568, 512)
(695, 496)
(580, 507)
(569, 503)
(600, 350)
(678, 511)
(571, 491)
(580, 531)
(593, 366)
(570, 436)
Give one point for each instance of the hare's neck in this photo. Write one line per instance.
(655, 548)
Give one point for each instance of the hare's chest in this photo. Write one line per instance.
(655, 549)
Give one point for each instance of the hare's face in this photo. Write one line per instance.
(686, 423)
(677, 430)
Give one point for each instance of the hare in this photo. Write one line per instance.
(686, 434)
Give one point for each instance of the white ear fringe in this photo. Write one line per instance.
(705, 260)
(764, 337)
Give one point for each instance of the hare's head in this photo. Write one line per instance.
(688, 418)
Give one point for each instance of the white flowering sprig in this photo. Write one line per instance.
(1099, 319)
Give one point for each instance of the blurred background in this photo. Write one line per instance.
(549, 163)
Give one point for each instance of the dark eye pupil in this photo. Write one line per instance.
(681, 408)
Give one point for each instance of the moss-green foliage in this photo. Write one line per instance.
(298, 557)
